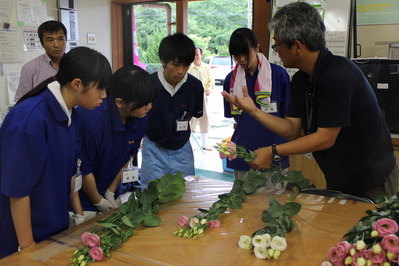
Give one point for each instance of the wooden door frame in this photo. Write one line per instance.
(261, 16)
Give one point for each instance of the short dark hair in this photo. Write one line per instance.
(51, 26)
(177, 47)
(83, 63)
(241, 40)
(133, 85)
(199, 48)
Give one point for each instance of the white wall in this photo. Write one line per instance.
(93, 17)
(375, 39)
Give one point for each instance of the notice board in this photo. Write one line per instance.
(377, 12)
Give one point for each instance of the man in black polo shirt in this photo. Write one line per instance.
(333, 110)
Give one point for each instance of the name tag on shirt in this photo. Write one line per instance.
(181, 125)
(130, 175)
(271, 109)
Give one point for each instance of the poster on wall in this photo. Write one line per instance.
(370, 12)
(31, 12)
(9, 52)
(5, 14)
(31, 40)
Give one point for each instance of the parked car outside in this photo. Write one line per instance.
(220, 67)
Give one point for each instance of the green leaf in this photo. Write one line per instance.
(123, 209)
(146, 200)
(106, 225)
(171, 187)
(254, 180)
(291, 208)
(135, 218)
(151, 220)
(235, 203)
(297, 178)
(126, 221)
(115, 230)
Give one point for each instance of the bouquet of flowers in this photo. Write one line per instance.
(373, 240)
(140, 208)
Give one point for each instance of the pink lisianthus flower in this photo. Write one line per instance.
(342, 249)
(90, 240)
(231, 147)
(326, 263)
(214, 224)
(374, 257)
(391, 243)
(231, 157)
(96, 253)
(385, 226)
(332, 255)
(183, 221)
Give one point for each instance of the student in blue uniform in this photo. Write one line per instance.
(111, 137)
(39, 150)
(166, 147)
(268, 85)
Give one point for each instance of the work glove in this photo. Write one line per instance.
(78, 219)
(104, 205)
(110, 196)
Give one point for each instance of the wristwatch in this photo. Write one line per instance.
(276, 156)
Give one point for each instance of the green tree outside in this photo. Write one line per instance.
(210, 24)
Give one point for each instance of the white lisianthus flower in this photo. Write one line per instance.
(278, 243)
(193, 222)
(245, 242)
(268, 239)
(261, 252)
(259, 241)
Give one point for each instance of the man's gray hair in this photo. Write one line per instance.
(299, 21)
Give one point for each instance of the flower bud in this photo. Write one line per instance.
(203, 221)
(352, 252)
(360, 245)
(271, 252)
(374, 233)
(361, 261)
(377, 249)
(81, 257)
(390, 255)
(276, 254)
(348, 260)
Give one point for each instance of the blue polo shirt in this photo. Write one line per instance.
(249, 132)
(37, 158)
(107, 145)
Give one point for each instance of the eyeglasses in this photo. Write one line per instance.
(274, 46)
